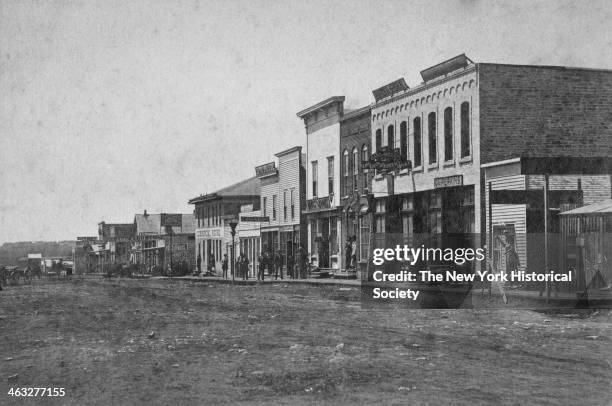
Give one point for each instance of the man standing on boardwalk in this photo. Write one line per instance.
(224, 266)
(245, 267)
(278, 265)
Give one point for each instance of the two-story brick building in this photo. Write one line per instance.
(468, 118)
(435, 125)
(355, 181)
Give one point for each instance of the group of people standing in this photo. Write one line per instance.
(267, 262)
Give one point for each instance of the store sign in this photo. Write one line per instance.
(261, 219)
(387, 160)
(207, 233)
(266, 170)
(448, 181)
(320, 203)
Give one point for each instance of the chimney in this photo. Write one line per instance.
(145, 212)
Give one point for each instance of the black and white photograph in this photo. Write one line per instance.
(364, 202)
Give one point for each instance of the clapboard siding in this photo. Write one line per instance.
(506, 214)
(595, 188)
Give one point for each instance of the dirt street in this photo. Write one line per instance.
(135, 342)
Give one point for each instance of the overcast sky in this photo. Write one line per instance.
(112, 107)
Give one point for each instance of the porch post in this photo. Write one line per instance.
(546, 234)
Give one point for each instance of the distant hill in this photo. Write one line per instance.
(10, 252)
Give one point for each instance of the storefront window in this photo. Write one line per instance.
(407, 219)
(380, 224)
(333, 236)
(314, 237)
(435, 214)
(467, 212)
(364, 237)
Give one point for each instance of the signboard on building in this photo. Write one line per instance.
(448, 181)
(266, 170)
(171, 220)
(387, 160)
(320, 203)
(208, 233)
(253, 219)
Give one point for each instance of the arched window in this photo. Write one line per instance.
(378, 139)
(404, 140)
(431, 132)
(345, 164)
(391, 136)
(364, 158)
(355, 169)
(416, 127)
(465, 130)
(448, 134)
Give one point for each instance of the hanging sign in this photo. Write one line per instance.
(387, 160)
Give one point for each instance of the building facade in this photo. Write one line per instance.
(355, 183)
(282, 198)
(115, 239)
(163, 240)
(248, 233)
(436, 127)
(323, 208)
(214, 213)
(471, 128)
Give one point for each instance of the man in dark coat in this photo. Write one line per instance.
(245, 267)
(278, 265)
(224, 265)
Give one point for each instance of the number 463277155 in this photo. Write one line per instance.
(27, 392)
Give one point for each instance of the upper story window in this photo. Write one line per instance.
(315, 177)
(404, 140)
(285, 204)
(391, 136)
(345, 171)
(465, 130)
(355, 169)
(330, 175)
(416, 126)
(365, 158)
(431, 132)
(378, 139)
(292, 193)
(274, 207)
(264, 204)
(448, 134)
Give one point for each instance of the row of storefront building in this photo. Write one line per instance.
(492, 152)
